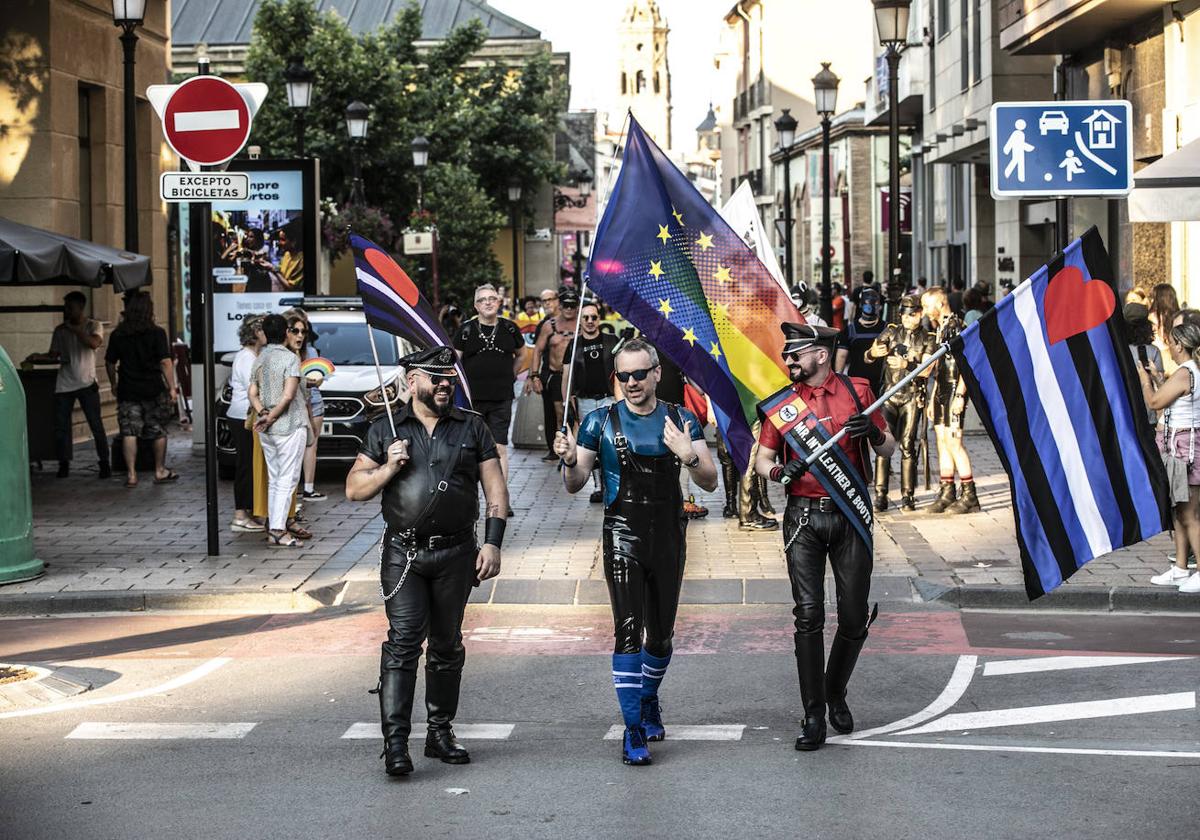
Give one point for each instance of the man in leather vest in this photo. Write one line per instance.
(902, 347)
(429, 471)
(947, 405)
(641, 444)
(815, 528)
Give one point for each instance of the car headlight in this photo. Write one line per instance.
(375, 397)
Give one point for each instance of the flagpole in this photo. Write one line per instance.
(382, 388)
(884, 397)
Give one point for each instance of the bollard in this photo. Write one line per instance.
(16, 513)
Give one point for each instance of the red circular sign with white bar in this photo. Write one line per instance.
(206, 120)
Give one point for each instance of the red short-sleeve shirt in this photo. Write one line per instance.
(833, 404)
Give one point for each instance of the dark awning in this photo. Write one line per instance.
(31, 256)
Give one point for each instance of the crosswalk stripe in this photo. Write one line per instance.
(1058, 712)
(677, 732)
(1005, 667)
(95, 731)
(463, 731)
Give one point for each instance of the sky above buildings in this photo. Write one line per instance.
(587, 29)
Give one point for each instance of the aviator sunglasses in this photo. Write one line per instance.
(635, 375)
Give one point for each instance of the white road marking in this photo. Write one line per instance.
(207, 120)
(159, 731)
(170, 685)
(964, 670)
(463, 731)
(676, 732)
(1032, 665)
(1018, 749)
(1060, 711)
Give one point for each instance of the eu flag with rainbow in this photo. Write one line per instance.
(666, 260)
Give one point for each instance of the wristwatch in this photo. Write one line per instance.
(692, 464)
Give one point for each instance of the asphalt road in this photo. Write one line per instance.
(986, 725)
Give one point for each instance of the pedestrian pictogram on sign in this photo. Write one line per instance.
(206, 120)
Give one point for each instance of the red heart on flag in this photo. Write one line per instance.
(1074, 306)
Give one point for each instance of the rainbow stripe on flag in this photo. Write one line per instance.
(666, 260)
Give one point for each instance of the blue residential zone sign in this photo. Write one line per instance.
(1063, 148)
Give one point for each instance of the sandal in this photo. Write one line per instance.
(249, 526)
(129, 485)
(282, 539)
(299, 531)
(169, 477)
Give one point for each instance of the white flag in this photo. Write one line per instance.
(741, 213)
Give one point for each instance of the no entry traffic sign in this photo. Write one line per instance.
(206, 120)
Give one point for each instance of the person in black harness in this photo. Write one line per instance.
(429, 471)
(592, 380)
(822, 522)
(641, 443)
(902, 347)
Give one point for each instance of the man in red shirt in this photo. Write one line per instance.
(814, 527)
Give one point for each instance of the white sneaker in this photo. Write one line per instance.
(1192, 584)
(1191, 563)
(1174, 576)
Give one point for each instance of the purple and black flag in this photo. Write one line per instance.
(1050, 371)
(392, 303)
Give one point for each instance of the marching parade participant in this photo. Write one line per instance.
(947, 405)
(428, 458)
(640, 443)
(828, 514)
(902, 347)
(591, 381)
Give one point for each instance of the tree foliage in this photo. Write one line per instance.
(487, 123)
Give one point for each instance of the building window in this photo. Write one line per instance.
(964, 40)
(656, 87)
(85, 162)
(943, 18)
(624, 85)
(977, 44)
(640, 81)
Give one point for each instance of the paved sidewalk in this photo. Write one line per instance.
(145, 548)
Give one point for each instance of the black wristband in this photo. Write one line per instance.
(493, 530)
(776, 473)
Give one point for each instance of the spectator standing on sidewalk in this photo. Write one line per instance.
(282, 423)
(1141, 346)
(1179, 401)
(73, 345)
(490, 348)
(251, 336)
(298, 319)
(142, 373)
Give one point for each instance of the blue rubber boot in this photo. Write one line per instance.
(633, 747)
(654, 668)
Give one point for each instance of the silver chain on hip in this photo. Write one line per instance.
(409, 557)
(799, 527)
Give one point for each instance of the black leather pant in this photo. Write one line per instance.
(827, 535)
(551, 397)
(903, 416)
(644, 554)
(430, 606)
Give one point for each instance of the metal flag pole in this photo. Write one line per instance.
(574, 348)
(382, 388)
(884, 397)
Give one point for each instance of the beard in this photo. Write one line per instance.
(429, 400)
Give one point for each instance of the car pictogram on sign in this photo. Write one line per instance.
(1053, 121)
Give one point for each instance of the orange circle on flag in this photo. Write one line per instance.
(393, 275)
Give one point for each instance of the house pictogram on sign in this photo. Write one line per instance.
(1102, 129)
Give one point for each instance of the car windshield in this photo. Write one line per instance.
(350, 344)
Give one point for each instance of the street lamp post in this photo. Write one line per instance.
(128, 14)
(786, 127)
(357, 116)
(891, 19)
(299, 93)
(825, 85)
(514, 203)
(420, 158)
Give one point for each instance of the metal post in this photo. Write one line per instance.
(434, 267)
(357, 193)
(1062, 205)
(894, 292)
(298, 120)
(129, 43)
(787, 216)
(826, 281)
(518, 292)
(204, 264)
(577, 259)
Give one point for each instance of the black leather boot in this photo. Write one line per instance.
(967, 502)
(395, 713)
(908, 483)
(729, 478)
(843, 655)
(945, 497)
(441, 704)
(764, 500)
(883, 477)
(810, 666)
(748, 505)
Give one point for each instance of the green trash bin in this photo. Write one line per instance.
(16, 514)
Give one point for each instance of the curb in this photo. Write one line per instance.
(1083, 598)
(66, 603)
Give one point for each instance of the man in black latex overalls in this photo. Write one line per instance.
(641, 444)
(902, 347)
(429, 466)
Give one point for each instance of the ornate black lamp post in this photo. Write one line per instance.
(825, 85)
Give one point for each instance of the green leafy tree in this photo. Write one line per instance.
(487, 123)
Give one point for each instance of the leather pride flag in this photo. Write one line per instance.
(1050, 371)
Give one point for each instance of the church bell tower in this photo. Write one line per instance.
(644, 79)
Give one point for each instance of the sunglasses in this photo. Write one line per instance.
(591, 317)
(438, 378)
(796, 354)
(635, 375)
(297, 331)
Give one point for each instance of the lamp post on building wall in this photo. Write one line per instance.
(514, 203)
(299, 93)
(825, 86)
(128, 15)
(583, 182)
(785, 126)
(420, 159)
(891, 19)
(357, 117)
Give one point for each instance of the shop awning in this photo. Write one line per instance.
(31, 256)
(1168, 190)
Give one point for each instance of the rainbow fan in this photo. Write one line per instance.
(316, 365)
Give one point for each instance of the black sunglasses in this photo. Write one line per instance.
(297, 330)
(591, 317)
(636, 375)
(438, 378)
